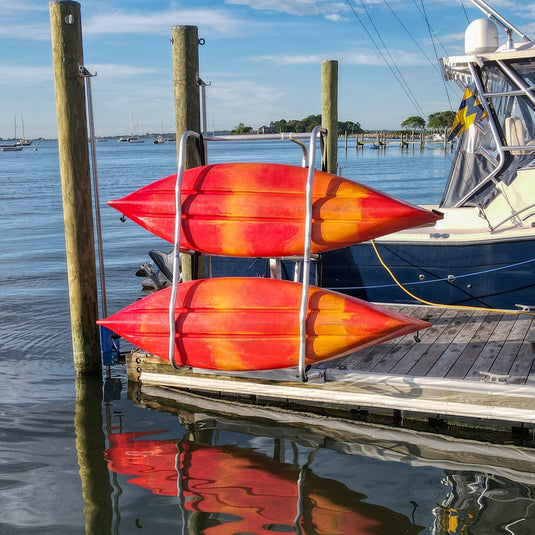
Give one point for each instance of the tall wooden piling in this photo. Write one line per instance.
(185, 51)
(329, 111)
(67, 53)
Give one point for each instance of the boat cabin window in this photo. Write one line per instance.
(477, 155)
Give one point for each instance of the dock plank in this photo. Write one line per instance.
(509, 352)
(386, 358)
(487, 343)
(428, 338)
(439, 349)
(470, 354)
(462, 331)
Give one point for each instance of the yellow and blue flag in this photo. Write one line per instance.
(470, 111)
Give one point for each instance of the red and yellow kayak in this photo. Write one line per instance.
(258, 210)
(245, 323)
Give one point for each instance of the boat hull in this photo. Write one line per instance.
(488, 273)
(247, 323)
(258, 209)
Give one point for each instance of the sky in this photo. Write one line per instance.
(262, 59)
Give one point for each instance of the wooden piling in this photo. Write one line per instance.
(185, 52)
(67, 54)
(329, 111)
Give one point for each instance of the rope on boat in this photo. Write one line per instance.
(442, 305)
(444, 279)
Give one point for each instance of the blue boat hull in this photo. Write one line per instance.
(490, 274)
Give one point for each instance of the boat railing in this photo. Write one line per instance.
(515, 216)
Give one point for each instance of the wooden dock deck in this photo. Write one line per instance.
(474, 365)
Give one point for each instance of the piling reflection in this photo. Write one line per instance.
(90, 444)
(225, 489)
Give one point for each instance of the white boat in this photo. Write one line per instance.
(482, 253)
(11, 148)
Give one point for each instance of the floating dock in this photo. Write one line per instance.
(473, 368)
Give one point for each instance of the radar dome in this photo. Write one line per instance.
(481, 36)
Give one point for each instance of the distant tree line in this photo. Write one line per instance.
(441, 120)
(300, 125)
(308, 123)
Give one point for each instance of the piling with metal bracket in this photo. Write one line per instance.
(67, 54)
(185, 51)
(329, 111)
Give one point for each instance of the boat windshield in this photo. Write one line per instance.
(493, 149)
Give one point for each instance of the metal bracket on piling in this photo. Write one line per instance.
(109, 341)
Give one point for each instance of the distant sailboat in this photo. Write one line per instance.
(134, 137)
(14, 147)
(22, 141)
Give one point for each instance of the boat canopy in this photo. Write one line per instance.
(492, 150)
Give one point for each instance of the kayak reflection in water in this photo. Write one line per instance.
(231, 489)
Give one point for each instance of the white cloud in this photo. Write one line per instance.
(362, 57)
(13, 74)
(8, 6)
(112, 70)
(244, 101)
(101, 21)
(31, 75)
(295, 7)
(29, 31)
(159, 23)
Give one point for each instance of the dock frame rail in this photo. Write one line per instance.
(308, 161)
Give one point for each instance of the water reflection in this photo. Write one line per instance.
(227, 468)
(231, 489)
(90, 443)
(483, 503)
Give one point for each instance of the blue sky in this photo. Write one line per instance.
(262, 58)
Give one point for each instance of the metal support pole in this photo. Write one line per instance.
(317, 131)
(181, 149)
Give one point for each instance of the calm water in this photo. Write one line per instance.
(80, 458)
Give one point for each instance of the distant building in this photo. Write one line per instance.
(267, 130)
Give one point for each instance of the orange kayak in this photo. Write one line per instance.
(250, 323)
(258, 210)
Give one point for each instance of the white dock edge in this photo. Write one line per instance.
(489, 401)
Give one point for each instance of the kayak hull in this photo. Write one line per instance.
(245, 323)
(258, 210)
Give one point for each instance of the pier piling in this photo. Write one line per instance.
(67, 54)
(185, 51)
(329, 111)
